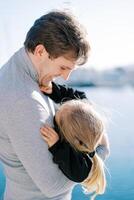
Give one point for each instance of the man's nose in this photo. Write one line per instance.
(65, 75)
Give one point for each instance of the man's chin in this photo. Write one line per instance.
(46, 84)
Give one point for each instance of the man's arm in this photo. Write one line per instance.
(23, 124)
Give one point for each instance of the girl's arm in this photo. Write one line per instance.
(61, 93)
(74, 164)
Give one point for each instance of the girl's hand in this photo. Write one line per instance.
(47, 89)
(49, 135)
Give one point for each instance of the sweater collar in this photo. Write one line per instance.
(24, 60)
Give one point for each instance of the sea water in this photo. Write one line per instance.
(117, 106)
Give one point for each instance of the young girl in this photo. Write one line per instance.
(78, 134)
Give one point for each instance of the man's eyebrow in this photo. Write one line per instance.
(66, 67)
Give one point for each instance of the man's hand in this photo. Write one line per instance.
(49, 135)
(47, 89)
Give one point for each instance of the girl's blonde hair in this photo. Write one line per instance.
(83, 128)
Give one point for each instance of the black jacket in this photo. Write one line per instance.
(74, 164)
(62, 93)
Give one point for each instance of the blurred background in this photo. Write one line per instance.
(107, 77)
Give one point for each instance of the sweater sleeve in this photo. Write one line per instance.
(75, 165)
(62, 93)
(23, 123)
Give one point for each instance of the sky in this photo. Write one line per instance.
(109, 25)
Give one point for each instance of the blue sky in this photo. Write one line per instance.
(109, 23)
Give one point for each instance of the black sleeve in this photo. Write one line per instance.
(62, 93)
(75, 165)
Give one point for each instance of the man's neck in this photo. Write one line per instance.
(34, 61)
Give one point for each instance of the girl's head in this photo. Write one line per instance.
(83, 128)
(80, 125)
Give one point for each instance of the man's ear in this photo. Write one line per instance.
(40, 51)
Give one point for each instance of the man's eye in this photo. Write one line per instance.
(81, 143)
(62, 68)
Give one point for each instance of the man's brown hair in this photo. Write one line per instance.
(60, 34)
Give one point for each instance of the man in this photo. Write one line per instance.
(53, 46)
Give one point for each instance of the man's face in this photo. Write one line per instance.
(52, 68)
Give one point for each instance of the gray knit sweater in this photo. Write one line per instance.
(29, 169)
